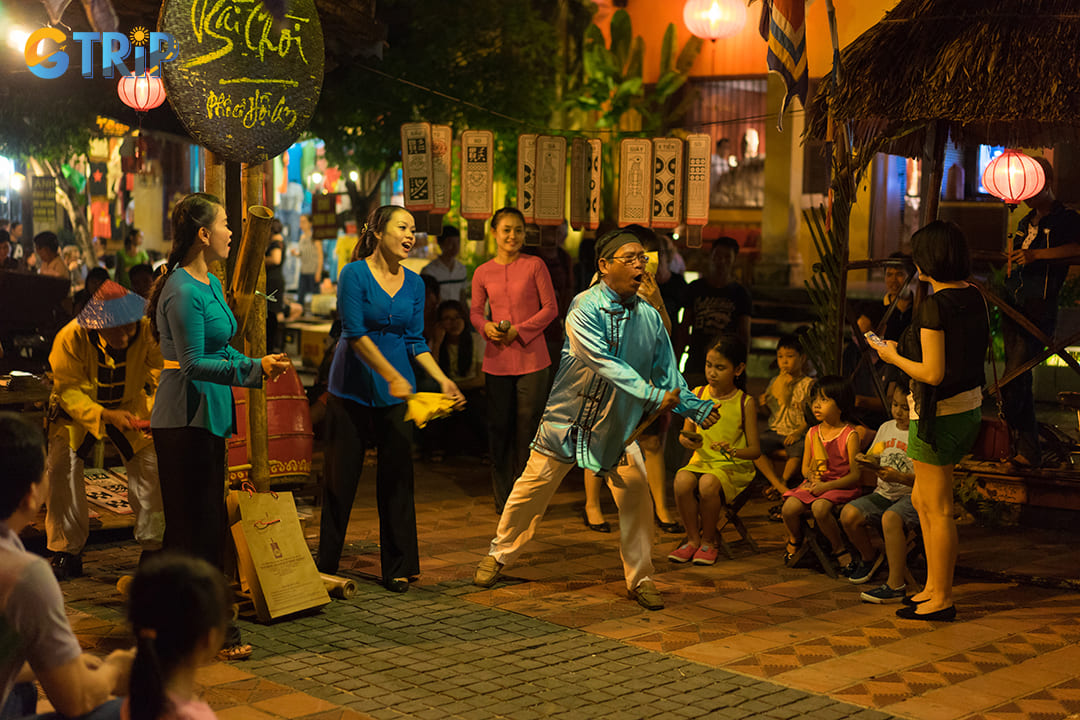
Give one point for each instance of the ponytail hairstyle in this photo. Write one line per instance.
(377, 220)
(196, 211)
(174, 602)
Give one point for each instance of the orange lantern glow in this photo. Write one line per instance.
(141, 92)
(714, 19)
(1013, 177)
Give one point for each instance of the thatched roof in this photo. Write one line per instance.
(1001, 72)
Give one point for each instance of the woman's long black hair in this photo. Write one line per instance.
(196, 211)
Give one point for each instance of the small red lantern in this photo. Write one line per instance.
(141, 92)
(1013, 177)
(714, 19)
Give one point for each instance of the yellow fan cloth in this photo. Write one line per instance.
(423, 407)
(654, 262)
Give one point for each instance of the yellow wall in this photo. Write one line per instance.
(744, 54)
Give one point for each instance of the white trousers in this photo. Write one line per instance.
(533, 492)
(67, 516)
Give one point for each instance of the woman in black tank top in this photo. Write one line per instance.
(943, 354)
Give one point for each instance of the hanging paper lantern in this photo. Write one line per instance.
(141, 92)
(1013, 177)
(714, 19)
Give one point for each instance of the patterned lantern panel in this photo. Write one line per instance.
(416, 166)
(1013, 177)
(550, 180)
(635, 181)
(141, 92)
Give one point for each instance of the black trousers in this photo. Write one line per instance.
(351, 428)
(515, 405)
(191, 467)
(1018, 397)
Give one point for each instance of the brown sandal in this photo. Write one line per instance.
(234, 652)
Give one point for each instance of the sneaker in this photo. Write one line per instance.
(863, 570)
(683, 553)
(66, 566)
(884, 594)
(487, 572)
(647, 596)
(705, 555)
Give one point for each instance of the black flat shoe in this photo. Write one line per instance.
(911, 603)
(603, 527)
(671, 528)
(943, 615)
(66, 566)
(398, 585)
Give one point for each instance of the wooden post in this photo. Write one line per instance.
(251, 178)
(934, 157)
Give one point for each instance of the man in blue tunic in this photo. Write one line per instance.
(617, 366)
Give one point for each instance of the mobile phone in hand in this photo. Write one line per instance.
(873, 339)
(696, 437)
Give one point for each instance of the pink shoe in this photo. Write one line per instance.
(683, 553)
(705, 555)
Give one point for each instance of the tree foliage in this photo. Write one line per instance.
(500, 56)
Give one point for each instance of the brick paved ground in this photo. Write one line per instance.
(433, 654)
(558, 638)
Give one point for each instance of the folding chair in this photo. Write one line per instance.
(731, 517)
(814, 540)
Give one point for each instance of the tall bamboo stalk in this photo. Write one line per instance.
(254, 265)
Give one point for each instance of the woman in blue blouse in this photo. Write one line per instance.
(193, 408)
(381, 304)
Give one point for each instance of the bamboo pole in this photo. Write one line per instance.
(214, 183)
(252, 265)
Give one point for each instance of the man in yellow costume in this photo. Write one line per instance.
(105, 367)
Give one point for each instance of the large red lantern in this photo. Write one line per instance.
(141, 92)
(714, 19)
(1013, 177)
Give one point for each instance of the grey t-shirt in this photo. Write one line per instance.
(33, 625)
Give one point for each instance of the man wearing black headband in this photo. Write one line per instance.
(617, 367)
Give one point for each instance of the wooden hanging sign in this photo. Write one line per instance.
(550, 180)
(442, 144)
(579, 182)
(526, 176)
(416, 166)
(667, 183)
(245, 84)
(592, 217)
(477, 176)
(698, 162)
(635, 181)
